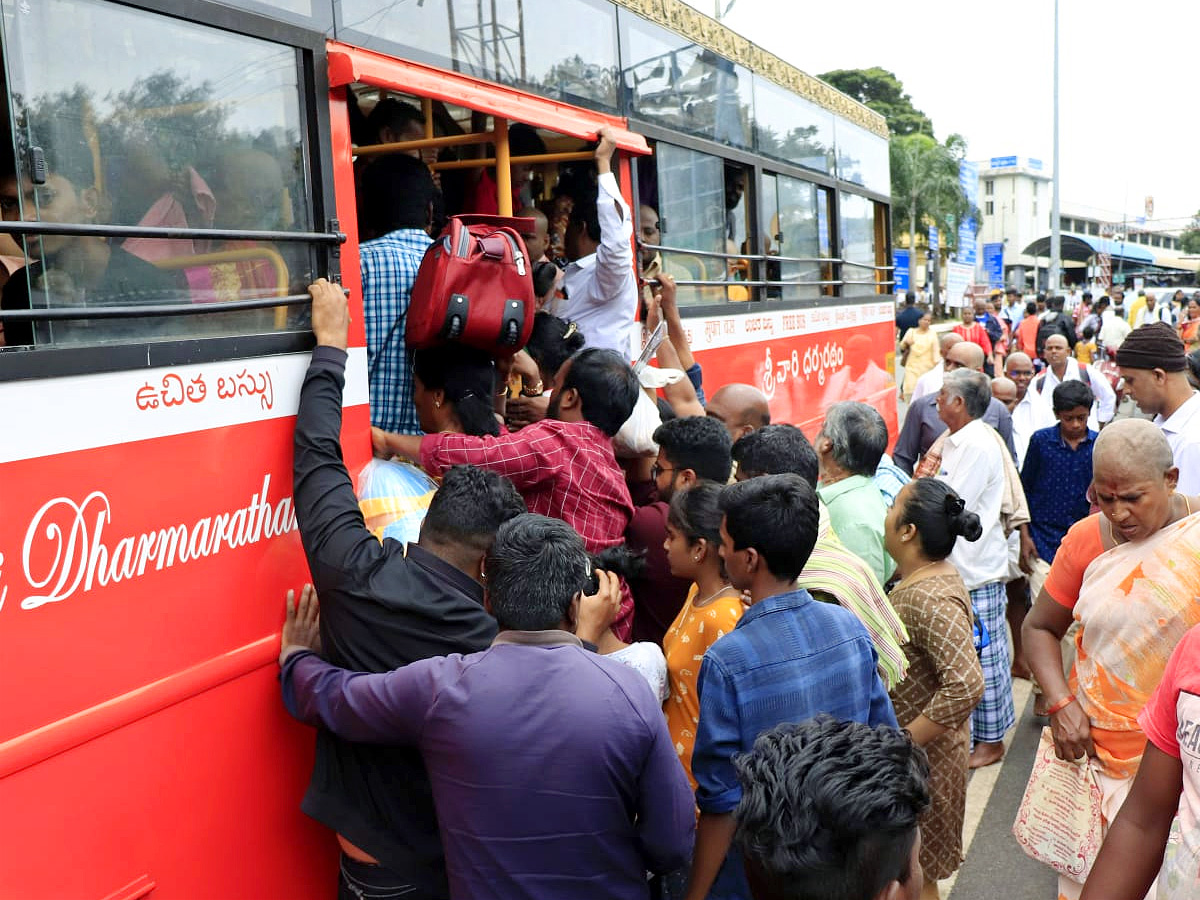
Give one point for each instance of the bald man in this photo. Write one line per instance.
(922, 424)
(1029, 413)
(931, 381)
(1060, 367)
(1004, 390)
(741, 408)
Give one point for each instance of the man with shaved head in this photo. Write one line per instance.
(741, 408)
(1029, 413)
(922, 425)
(931, 381)
(1060, 367)
(1004, 390)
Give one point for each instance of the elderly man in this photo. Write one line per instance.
(973, 464)
(931, 381)
(512, 824)
(922, 425)
(1029, 413)
(1153, 363)
(741, 408)
(849, 447)
(1060, 367)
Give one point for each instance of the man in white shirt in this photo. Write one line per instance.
(1113, 328)
(600, 282)
(1153, 362)
(931, 381)
(1029, 413)
(1060, 367)
(973, 464)
(1153, 311)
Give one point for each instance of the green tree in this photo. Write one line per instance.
(883, 92)
(1189, 241)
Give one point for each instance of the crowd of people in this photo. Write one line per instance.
(650, 643)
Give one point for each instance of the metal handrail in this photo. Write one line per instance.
(739, 283)
(171, 234)
(754, 257)
(148, 311)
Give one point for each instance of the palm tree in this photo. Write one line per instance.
(925, 185)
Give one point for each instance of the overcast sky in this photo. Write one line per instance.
(1129, 74)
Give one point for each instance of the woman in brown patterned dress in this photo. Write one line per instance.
(944, 681)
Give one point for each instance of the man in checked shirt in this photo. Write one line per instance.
(564, 465)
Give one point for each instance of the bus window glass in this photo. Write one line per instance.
(523, 43)
(681, 85)
(692, 213)
(858, 243)
(791, 129)
(862, 157)
(798, 223)
(151, 121)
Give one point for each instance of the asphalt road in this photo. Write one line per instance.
(995, 866)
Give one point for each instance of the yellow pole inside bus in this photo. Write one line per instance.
(503, 171)
(427, 113)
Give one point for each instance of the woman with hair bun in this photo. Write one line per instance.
(945, 680)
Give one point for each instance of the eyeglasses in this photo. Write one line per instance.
(656, 470)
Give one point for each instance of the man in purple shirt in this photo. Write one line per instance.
(552, 769)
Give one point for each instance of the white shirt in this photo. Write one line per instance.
(602, 290)
(1182, 431)
(1160, 313)
(972, 464)
(1028, 416)
(647, 660)
(1114, 329)
(1106, 398)
(929, 383)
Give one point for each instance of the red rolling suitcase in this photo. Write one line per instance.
(474, 287)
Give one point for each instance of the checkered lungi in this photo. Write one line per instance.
(995, 713)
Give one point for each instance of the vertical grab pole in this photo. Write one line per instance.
(503, 170)
(427, 113)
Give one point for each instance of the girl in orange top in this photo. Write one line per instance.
(712, 608)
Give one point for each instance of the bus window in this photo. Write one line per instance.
(692, 214)
(151, 122)
(792, 228)
(858, 245)
(738, 228)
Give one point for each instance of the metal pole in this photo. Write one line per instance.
(1055, 235)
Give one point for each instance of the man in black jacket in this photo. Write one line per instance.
(382, 608)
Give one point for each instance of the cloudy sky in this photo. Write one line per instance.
(1129, 73)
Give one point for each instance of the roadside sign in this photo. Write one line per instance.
(993, 264)
(900, 274)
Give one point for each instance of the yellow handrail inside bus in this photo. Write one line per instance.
(450, 140)
(239, 254)
(532, 160)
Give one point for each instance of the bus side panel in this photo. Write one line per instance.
(202, 798)
(803, 360)
(142, 732)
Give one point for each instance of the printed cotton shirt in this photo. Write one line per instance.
(1056, 479)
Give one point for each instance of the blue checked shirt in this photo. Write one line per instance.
(389, 268)
(789, 658)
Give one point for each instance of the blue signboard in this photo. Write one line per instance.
(1035, 164)
(1003, 162)
(993, 264)
(900, 272)
(968, 178)
(933, 239)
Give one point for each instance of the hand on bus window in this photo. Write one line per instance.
(330, 314)
(665, 294)
(301, 625)
(604, 150)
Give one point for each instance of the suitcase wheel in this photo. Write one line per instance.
(511, 332)
(455, 328)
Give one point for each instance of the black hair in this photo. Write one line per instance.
(697, 443)
(909, 298)
(607, 386)
(535, 568)
(544, 276)
(1103, 302)
(940, 517)
(392, 113)
(552, 342)
(1087, 295)
(585, 214)
(666, 413)
(1031, 308)
(619, 560)
(397, 192)
(1055, 303)
(468, 378)
(469, 507)
(523, 140)
(1088, 332)
(1071, 394)
(696, 512)
(774, 450)
(859, 436)
(1193, 369)
(775, 515)
(829, 809)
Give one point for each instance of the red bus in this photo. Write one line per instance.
(175, 173)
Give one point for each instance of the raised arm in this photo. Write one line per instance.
(614, 257)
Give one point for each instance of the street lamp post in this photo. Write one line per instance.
(1055, 233)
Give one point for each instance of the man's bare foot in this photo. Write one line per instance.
(986, 754)
(1020, 670)
(1040, 706)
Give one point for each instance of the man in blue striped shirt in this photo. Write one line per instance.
(395, 208)
(789, 658)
